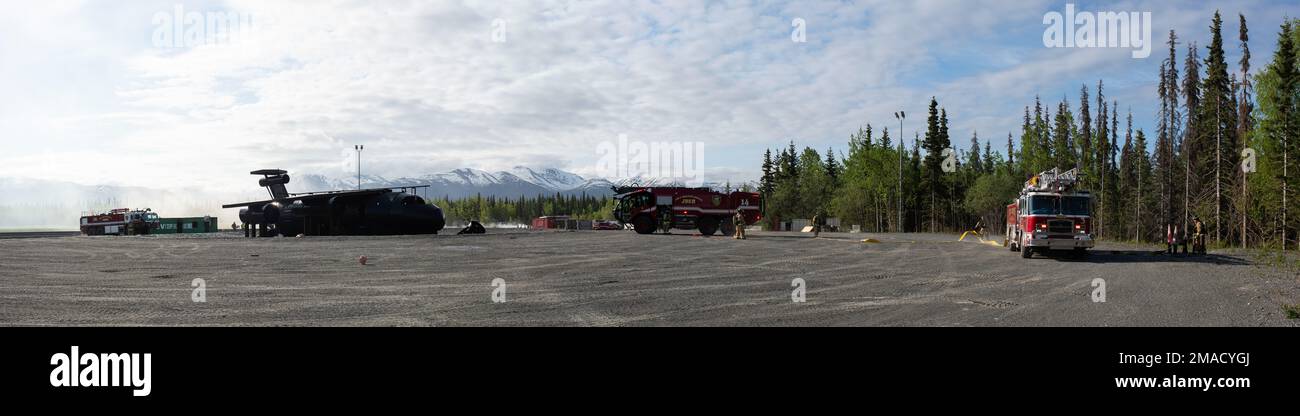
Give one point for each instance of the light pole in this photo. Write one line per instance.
(359, 149)
(900, 115)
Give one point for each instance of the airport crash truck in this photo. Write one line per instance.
(1050, 214)
(665, 208)
(120, 221)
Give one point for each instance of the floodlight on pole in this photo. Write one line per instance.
(900, 115)
(359, 148)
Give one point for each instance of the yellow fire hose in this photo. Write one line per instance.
(979, 236)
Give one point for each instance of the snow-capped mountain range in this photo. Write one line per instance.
(465, 182)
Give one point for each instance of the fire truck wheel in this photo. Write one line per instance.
(643, 225)
(728, 228)
(1026, 252)
(708, 225)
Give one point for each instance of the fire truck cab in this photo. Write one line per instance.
(1050, 214)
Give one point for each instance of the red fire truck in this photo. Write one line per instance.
(1050, 214)
(664, 208)
(120, 221)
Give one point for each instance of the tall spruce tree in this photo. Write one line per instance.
(1063, 147)
(1277, 126)
(932, 176)
(1011, 153)
(1177, 186)
(988, 157)
(1102, 159)
(833, 168)
(1084, 139)
(1244, 108)
(1028, 144)
(974, 160)
(1127, 185)
(1194, 158)
(1164, 152)
(1220, 115)
(766, 182)
(1144, 174)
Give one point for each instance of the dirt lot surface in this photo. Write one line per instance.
(620, 278)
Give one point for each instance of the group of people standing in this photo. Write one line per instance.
(1176, 237)
(818, 221)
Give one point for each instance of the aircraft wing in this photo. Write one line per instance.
(247, 204)
(314, 196)
(309, 196)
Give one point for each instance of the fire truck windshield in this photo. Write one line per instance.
(1057, 205)
(635, 201)
(1075, 205)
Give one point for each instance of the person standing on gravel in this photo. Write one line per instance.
(817, 225)
(1198, 235)
(739, 222)
(1170, 231)
(1175, 237)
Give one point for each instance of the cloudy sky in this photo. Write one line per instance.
(89, 94)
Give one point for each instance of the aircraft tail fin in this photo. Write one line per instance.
(274, 181)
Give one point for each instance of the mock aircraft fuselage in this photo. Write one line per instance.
(381, 211)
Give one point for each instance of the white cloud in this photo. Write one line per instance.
(423, 86)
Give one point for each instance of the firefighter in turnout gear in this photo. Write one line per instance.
(817, 225)
(739, 221)
(1198, 236)
(1175, 237)
(665, 219)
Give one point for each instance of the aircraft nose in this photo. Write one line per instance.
(438, 220)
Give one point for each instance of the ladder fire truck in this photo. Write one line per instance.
(1051, 214)
(120, 221)
(664, 208)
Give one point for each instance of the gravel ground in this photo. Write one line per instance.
(620, 278)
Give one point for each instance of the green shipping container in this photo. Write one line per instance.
(187, 225)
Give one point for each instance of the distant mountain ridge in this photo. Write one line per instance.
(466, 182)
